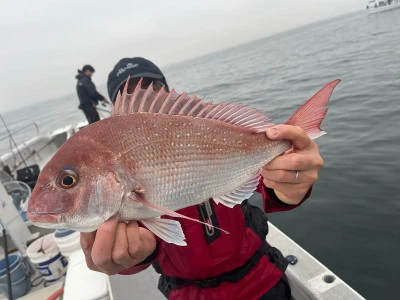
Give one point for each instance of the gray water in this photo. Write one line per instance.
(351, 221)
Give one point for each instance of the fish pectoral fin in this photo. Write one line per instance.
(241, 194)
(139, 190)
(171, 213)
(167, 230)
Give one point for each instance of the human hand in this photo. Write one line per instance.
(304, 157)
(116, 246)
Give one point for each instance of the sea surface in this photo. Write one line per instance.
(351, 223)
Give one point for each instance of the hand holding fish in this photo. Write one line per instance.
(116, 246)
(304, 158)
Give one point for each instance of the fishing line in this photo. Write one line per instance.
(12, 138)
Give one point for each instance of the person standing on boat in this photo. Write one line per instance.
(88, 96)
(239, 265)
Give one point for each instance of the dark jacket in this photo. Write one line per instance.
(87, 93)
(215, 265)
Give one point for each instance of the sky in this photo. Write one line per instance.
(44, 42)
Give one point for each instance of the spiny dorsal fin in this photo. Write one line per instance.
(173, 103)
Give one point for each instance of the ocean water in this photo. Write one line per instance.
(351, 222)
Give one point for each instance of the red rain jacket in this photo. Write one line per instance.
(210, 253)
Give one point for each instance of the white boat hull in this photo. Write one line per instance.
(383, 8)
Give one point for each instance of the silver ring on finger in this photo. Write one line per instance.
(296, 177)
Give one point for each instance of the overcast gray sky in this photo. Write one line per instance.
(44, 42)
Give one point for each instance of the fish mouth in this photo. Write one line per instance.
(56, 221)
(63, 225)
(44, 218)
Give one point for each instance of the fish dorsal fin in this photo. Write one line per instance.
(241, 194)
(173, 103)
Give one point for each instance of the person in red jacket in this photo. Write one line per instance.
(239, 265)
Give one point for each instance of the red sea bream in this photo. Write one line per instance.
(158, 153)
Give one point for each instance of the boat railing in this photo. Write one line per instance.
(10, 136)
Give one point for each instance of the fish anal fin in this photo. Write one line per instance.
(241, 194)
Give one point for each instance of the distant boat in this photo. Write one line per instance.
(374, 6)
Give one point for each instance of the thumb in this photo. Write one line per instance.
(297, 136)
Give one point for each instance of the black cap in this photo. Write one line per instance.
(134, 67)
(87, 67)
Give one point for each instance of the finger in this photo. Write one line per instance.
(141, 242)
(283, 176)
(87, 241)
(120, 253)
(291, 162)
(294, 134)
(288, 192)
(104, 243)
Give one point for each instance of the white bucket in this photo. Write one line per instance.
(45, 254)
(68, 241)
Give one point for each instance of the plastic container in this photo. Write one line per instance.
(44, 253)
(68, 241)
(81, 283)
(19, 273)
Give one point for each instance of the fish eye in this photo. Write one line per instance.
(67, 179)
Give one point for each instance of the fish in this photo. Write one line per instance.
(157, 153)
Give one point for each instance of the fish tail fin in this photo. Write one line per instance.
(310, 115)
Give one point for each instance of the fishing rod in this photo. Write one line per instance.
(7, 262)
(12, 138)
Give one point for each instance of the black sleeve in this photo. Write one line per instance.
(150, 258)
(91, 88)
